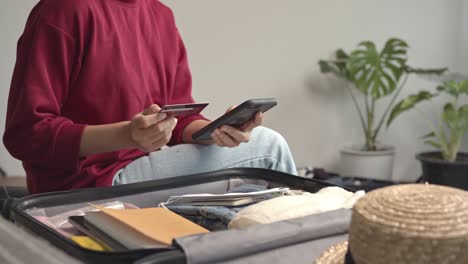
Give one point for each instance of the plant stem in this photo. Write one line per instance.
(370, 138)
(443, 141)
(361, 116)
(390, 105)
(368, 129)
(454, 140)
(454, 145)
(373, 131)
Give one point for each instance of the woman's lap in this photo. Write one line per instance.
(267, 149)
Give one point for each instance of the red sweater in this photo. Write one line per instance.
(88, 62)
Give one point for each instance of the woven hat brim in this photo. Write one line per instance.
(334, 255)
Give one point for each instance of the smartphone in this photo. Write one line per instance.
(178, 110)
(236, 117)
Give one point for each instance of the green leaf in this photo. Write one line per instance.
(451, 87)
(377, 73)
(408, 103)
(433, 143)
(395, 44)
(429, 135)
(335, 67)
(419, 71)
(325, 66)
(342, 58)
(450, 116)
(463, 87)
(341, 54)
(454, 88)
(441, 88)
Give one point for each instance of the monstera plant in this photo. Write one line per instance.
(376, 74)
(448, 166)
(372, 75)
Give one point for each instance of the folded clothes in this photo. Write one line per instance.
(242, 195)
(288, 207)
(215, 218)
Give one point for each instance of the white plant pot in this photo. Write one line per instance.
(367, 164)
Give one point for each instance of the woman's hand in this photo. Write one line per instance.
(147, 131)
(150, 130)
(228, 136)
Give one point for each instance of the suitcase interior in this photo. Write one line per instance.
(143, 195)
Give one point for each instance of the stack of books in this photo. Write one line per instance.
(136, 228)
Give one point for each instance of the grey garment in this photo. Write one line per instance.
(267, 149)
(305, 253)
(235, 245)
(18, 247)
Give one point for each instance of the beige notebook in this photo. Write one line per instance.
(157, 225)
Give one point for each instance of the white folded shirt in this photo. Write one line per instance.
(288, 207)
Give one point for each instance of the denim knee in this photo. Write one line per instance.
(268, 138)
(275, 146)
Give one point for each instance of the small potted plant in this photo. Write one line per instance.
(372, 75)
(447, 166)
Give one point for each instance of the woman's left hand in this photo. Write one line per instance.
(231, 137)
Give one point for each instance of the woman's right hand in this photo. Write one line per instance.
(150, 130)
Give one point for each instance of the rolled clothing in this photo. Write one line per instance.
(289, 207)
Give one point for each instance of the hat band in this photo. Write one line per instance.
(349, 257)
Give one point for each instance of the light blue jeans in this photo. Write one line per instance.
(266, 149)
(215, 218)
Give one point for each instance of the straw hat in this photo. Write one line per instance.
(413, 223)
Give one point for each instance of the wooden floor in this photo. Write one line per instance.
(13, 181)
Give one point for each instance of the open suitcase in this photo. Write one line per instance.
(282, 242)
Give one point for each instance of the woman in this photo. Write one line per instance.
(84, 102)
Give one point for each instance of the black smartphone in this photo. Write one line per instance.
(236, 117)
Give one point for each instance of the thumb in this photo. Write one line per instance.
(230, 108)
(153, 109)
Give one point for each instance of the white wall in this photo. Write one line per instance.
(269, 48)
(462, 49)
(13, 16)
(462, 43)
(244, 48)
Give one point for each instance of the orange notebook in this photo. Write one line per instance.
(143, 228)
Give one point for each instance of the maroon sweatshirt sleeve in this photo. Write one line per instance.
(182, 93)
(35, 130)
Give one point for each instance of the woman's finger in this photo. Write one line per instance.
(152, 109)
(145, 121)
(230, 108)
(257, 121)
(236, 134)
(216, 139)
(226, 139)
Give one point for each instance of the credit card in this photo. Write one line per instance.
(183, 109)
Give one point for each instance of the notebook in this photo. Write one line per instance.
(142, 228)
(95, 233)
